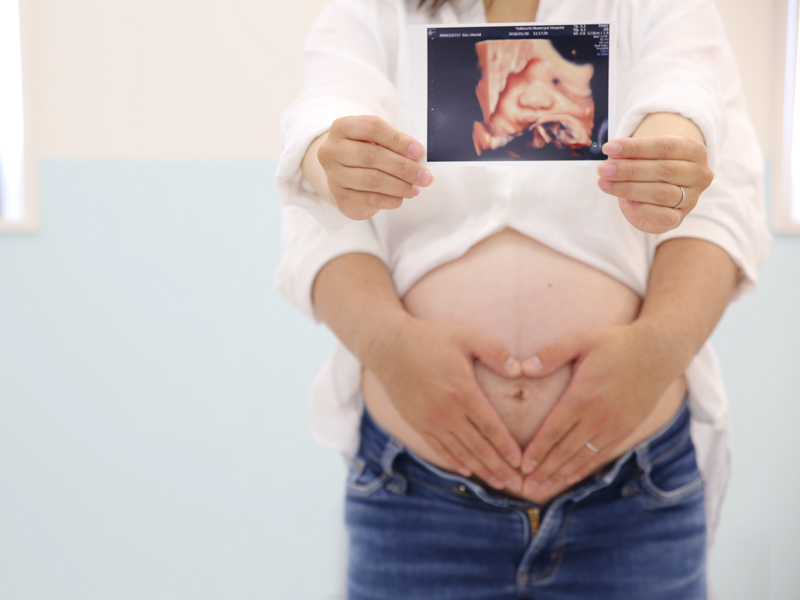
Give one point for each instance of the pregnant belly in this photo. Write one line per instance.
(525, 295)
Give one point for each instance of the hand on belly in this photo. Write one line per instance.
(523, 404)
(625, 385)
(527, 296)
(425, 393)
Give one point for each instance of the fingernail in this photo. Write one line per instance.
(612, 148)
(547, 484)
(513, 461)
(528, 466)
(514, 484)
(530, 486)
(533, 365)
(513, 367)
(424, 178)
(572, 479)
(607, 169)
(415, 191)
(416, 151)
(606, 185)
(496, 483)
(464, 472)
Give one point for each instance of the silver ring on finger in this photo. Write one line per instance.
(592, 447)
(683, 197)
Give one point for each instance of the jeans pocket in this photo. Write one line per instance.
(365, 477)
(674, 476)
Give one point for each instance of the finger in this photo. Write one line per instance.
(450, 462)
(584, 463)
(677, 172)
(558, 423)
(372, 180)
(555, 355)
(573, 447)
(367, 128)
(499, 470)
(484, 417)
(650, 218)
(667, 195)
(359, 154)
(492, 353)
(466, 457)
(664, 147)
(570, 444)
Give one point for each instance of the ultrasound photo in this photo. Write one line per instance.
(523, 92)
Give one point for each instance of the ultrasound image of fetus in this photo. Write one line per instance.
(526, 85)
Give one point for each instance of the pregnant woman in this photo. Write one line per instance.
(524, 359)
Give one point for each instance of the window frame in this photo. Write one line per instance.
(782, 207)
(30, 184)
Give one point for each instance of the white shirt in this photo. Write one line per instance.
(671, 57)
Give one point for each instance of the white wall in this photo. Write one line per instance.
(162, 78)
(187, 79)
(756, 31)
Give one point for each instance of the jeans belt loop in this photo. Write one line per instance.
(642, 451)
(397, 483)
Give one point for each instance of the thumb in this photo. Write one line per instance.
(493, 354)
(555, 355)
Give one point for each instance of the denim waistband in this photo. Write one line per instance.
(392, 455)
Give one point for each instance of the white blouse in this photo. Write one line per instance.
(671, 57)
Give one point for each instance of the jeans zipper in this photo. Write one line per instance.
(533, 517)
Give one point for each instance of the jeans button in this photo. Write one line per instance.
(397, 485)
(629, 489)
(462, 489)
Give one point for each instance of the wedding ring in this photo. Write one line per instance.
(683, 197)
(592, 447)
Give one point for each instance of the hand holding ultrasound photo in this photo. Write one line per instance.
(512, 92)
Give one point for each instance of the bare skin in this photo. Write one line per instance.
(427, 367)
(545, 296)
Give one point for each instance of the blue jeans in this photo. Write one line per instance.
(635, 530)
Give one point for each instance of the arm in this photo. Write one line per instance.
(622, 371)
(345, 75)
(426, 367)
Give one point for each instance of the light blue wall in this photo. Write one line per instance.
(153, 433)
(153, 400)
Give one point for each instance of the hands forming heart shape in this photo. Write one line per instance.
(618, 375)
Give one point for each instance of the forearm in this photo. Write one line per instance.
(691, 280)
(354, 295)
(425, 367)
(691, 283)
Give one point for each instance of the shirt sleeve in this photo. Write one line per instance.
(678, 48)
(346, 73)
(307, 246)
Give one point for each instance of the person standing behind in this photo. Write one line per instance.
(686, 277)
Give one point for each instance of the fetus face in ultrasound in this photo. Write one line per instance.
(526, 86)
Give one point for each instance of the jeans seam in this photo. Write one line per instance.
(671, 451)
(363, 490)
(450, 495)
(559, 546)
(670, 497)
